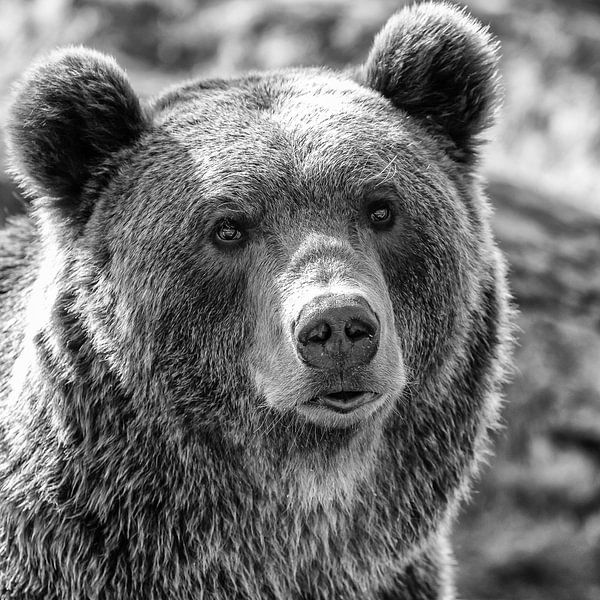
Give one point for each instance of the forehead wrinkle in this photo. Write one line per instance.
(351, 172)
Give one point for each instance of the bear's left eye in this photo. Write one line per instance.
(381, 216)
(229, 232)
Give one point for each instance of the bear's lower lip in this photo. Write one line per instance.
(344, 402)
(341, 410)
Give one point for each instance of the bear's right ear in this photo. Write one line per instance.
(440, 65)
(69, 114)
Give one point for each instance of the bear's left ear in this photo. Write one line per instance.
(68, 116)
(440, 65)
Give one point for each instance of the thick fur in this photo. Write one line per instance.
(154, 444)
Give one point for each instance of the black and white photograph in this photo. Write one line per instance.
(299, 300)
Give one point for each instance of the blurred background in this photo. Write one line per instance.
(533, 529)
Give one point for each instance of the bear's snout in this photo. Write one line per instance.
(337, 332)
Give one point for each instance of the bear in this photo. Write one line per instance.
(254, 330)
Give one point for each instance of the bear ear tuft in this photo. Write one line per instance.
(68, 115)
(440, 65)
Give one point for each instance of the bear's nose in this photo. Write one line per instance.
(337, 332)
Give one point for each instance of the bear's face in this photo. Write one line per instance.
(299, 258)
(301, 230)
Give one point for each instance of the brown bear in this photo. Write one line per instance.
(253, 331)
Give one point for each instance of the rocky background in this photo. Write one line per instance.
(533, 529)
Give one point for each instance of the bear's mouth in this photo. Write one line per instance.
(344, 401)
(341, 408)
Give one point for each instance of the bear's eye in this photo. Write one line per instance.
(229, 232)
(381, 216)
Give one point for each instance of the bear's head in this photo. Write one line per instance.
(293, 269)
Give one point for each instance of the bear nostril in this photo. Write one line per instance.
(319, 334)
(357, 330)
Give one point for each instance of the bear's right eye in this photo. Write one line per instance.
(381, 216)
(229, 232)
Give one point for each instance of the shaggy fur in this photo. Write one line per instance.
(158, 438)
